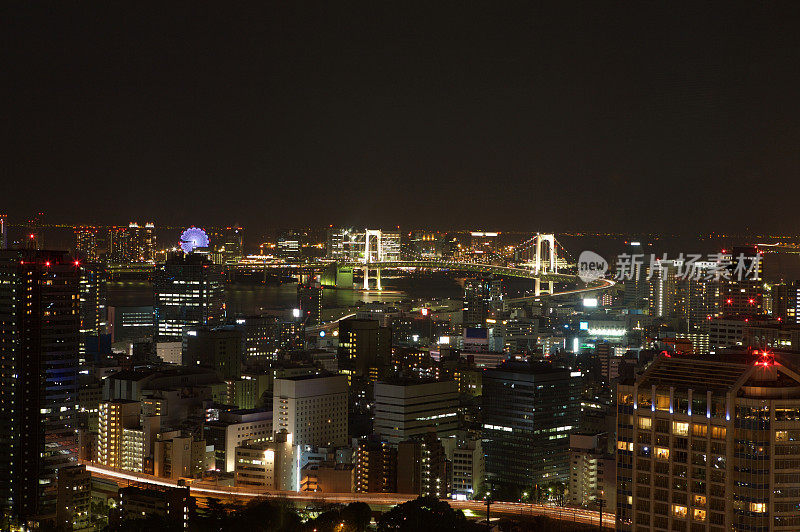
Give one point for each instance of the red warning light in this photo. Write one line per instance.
(729, 302)
(77, 263)
(47, 263)
(32, 236)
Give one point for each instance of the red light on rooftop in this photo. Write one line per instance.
(32, 236)
(47, 263)
(729, 302)
(77, 263)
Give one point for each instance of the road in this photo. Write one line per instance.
(206, 489)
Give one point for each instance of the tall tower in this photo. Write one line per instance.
(38, 377)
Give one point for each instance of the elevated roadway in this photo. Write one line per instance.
(203, 489)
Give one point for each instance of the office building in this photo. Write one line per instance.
(709, 443)
(261, 337)
(408, 408)
(272, 465)
(74, 508)
(130, 324)
(38, 377)
(289, 245)
(309, 301)
(189, 292)
(477, 295)
(218, 348)
(528, 411)
(364, 347)
(233, 245)
(313, 408)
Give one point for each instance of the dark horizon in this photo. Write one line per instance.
(636, 117)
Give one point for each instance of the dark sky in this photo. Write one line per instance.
(604, 115)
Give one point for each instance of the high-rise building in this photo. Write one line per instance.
(477, 295)
(709, 443)
(528, 412)
(376, 466)
(92, 309)
(261, 337)
(313, 408)
(115, 416)
(218, 348)
(132, 244)
(74, 506)
(38, 377)
(742, 292)
(233, 245)
(408, 408)
(364, 347)
(289, 244)
(309, 301)
(86, 243)
(189, 292)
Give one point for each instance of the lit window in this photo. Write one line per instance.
(699, 515)
(645, 422)
(781, 435)
(759, 507)
(679, 511)
(662, 453)
(680, 429)
(699, 500)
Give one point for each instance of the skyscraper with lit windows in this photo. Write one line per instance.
(38, 377)
(709, 444)
(189, 292)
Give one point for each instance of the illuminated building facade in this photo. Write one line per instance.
(709, 444)
(132, 244)
(115, 417)
(189, 292)
(528, 411)
(86, 243)
(408, 408)
(313, 408)
(272, 465)
(92, 308)
(38, 377)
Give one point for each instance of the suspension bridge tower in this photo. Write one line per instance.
(373, 253)
(544, 262)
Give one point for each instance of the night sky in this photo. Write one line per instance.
(598, 116)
